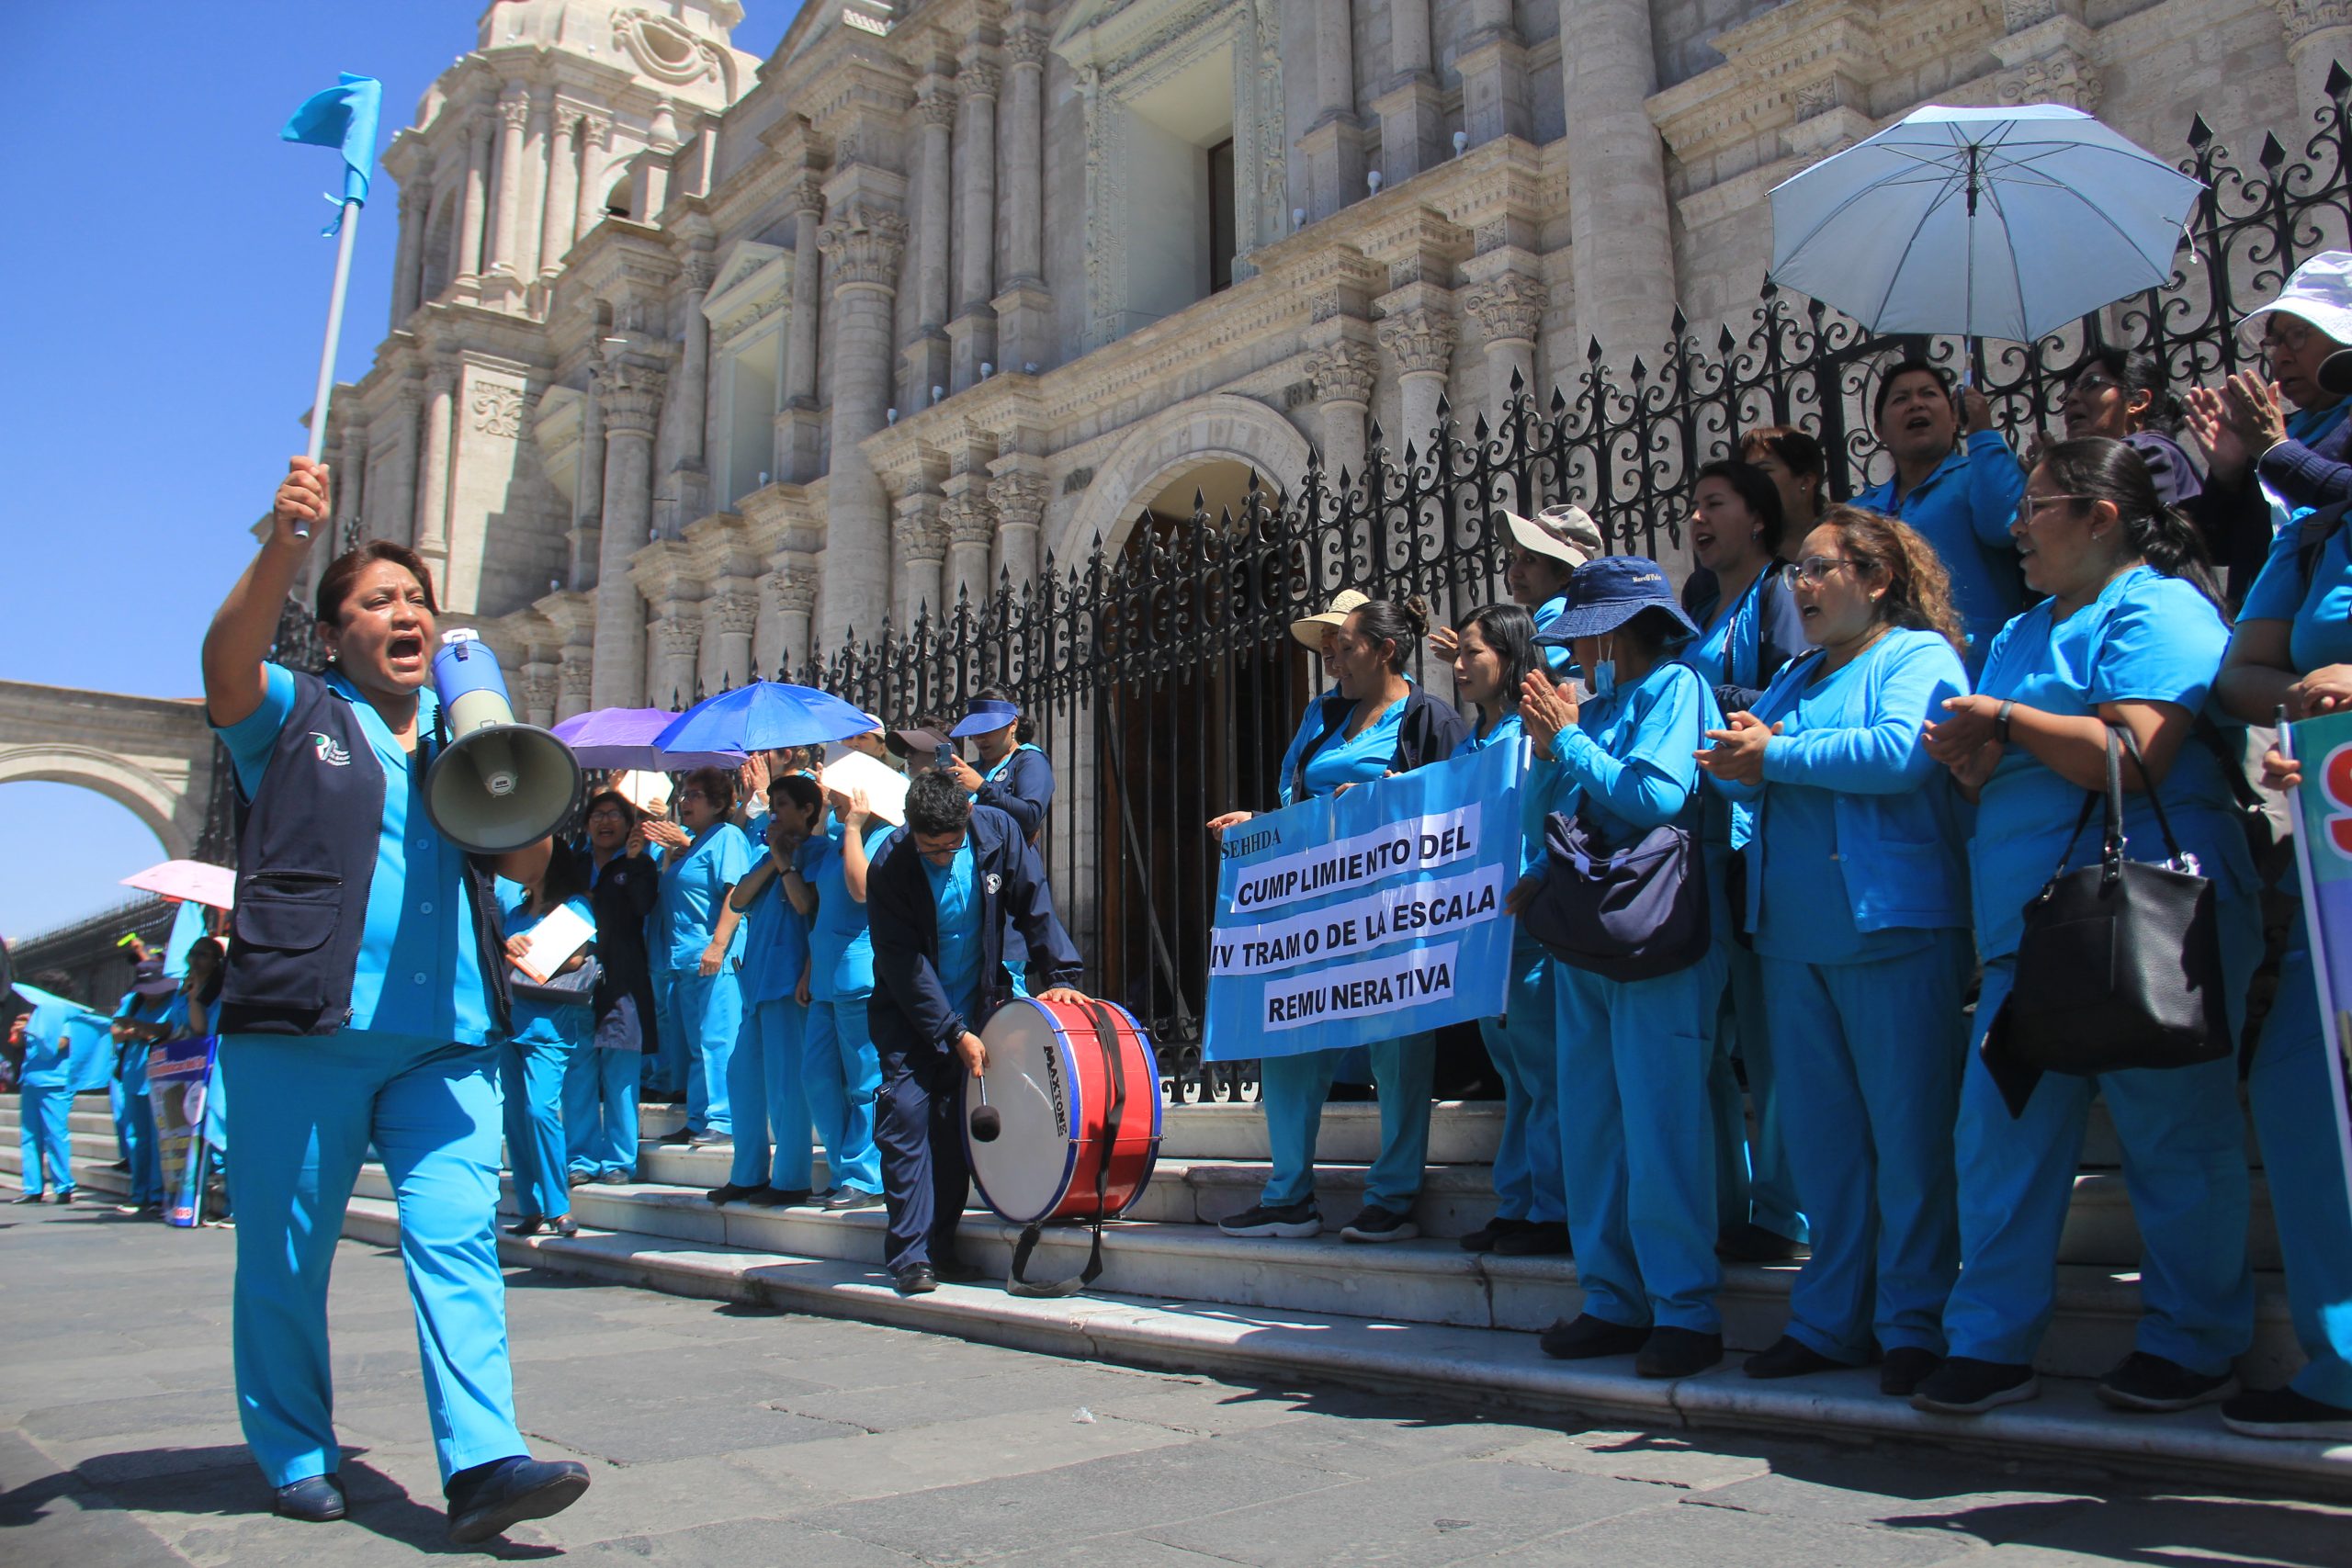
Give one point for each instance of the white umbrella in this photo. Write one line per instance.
(2004, 223)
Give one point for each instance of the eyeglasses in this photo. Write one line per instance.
(1816, 569)
(2092, 382)
(2033, 505)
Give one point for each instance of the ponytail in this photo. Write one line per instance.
(2098, 467)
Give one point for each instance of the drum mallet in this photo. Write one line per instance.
(986, 1120)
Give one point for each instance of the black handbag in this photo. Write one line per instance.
(1633, 913)
(2119, 965)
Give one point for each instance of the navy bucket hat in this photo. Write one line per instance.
(1606, 593)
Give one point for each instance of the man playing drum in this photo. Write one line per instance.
(938, 909)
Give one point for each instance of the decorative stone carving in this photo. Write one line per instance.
(515, 112)
(1343, 372)
(792, 591)
(665, 50)
(498, 409)
(1020, 498)
(595, 129)
(631, 396)
(678, 635)
(969, 518)
(808, 194)
(1509, 308)
(2063, 78)
(539, 692)
(698, 272)
(935, 102)
(862, 246)
(920, 533)
(2018, 15)
(1420, 340)
(1026, 46)
(736, 615)
(2301, 18)
(980, 78)
(576, 676)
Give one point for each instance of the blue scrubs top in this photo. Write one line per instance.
(1360, 760)
(1556, 658)
(841, 948)
(694, 890)
(776, 935)
(1965, 509)
(1630, 764)
(418, 974)
(45, 1063)
(136, 1008)
(536, 1022)
(2147, 638)
(2319, 611)
(953, 893)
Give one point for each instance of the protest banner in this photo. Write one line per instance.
(1369, 915)
(2323, 856)
(179, 1081)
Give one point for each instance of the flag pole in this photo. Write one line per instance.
(350, 227)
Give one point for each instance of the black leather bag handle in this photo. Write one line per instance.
(2119, 740)
(1016, 1282)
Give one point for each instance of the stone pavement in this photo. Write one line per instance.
(719, 1435)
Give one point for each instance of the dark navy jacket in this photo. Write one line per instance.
(910, 1012)
(306, 856)
(622, 896)
(1024, 791)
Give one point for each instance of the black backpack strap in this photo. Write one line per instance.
(1017, 1283)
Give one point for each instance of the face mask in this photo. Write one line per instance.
(1604, 675)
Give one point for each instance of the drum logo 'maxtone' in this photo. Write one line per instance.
(1054, 1095)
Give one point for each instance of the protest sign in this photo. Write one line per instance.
(1372, 914)
(2324, 855)
(179, 1081)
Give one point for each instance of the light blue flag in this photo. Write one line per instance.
(342, 118)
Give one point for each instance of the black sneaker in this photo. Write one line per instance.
(1677, 1352)
(1540, 1238)
(1789, 1358)
(491, 1499)
(614, 1178)
(26, 1198)
(1749, 1243)
(1589, 1336)
(843, 1199)
(2283, 1413)
(577, 1178)
(1966, 1386)
(1374, 1223)
(730, 1193)
(712, 1141)
(1906, 1368)
(1293, 1221)
(2145, 1382)
(314, 1499)
(1488, 1236)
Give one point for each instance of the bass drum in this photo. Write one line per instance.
(1052, 1081)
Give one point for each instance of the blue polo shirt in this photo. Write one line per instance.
(1964, 508)
(841, 948)
(776, 935)
(955, 897)
(45, 1063)
(419, 973)
(1341, 760)
(694, 888)
(2319, 612)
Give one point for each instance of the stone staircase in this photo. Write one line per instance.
(1421, 1315)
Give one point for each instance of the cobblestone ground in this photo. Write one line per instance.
(721, 1436)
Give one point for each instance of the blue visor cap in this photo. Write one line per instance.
(1606, 593)
(987, 717)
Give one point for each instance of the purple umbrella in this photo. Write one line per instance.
(623, 738)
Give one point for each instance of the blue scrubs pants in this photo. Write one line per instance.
(2183, 1164)
(531, 1075)
(118, 1105)
(1527, 1157)
(46, 1136)
(842, 1080)
(2294, 1114)
(1636, 1142)
(136, 1128)
(1292, 1091)
(600, 1110)
(705, 1013)
(1869, 1058)
(664, 1066)
(1754, 1183)
(920, 1131)
(303, 1113)
(764, 1096)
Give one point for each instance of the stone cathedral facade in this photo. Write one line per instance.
(698, 361)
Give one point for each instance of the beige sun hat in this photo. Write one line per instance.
(1309, 629)
(1565, 533)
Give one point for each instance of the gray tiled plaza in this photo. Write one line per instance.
(719, 1435)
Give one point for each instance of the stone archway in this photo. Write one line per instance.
(1158, 450)
(151, 755)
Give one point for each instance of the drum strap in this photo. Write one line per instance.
(1016, 1283)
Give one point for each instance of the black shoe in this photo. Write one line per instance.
(713, 1140)
(2283, 1413)
(777, 1197)
(614, 1178)
(1374, 1223)
(1789, 1358)
(64, 1196)
(1906, 1368)
(26, 1198)
(1678, 1353)
(1295, 1220)
(954, 1270)
(489, 1500)
(529, 1224)
(843, 1199)
(1748, 1242)
(1488, 1236)
(2145, 1382)
(1589, 1336)
(1542, 1238)
(150, 1210)
(120, 1165)
(730, 1194)
(314, 1499)
(577, 1178)
(1965, 1386)
(677, 1140)
(915, 1279)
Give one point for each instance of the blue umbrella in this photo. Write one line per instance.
(761, 717)
(2003, 223)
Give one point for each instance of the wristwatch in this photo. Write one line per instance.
(2001, 720)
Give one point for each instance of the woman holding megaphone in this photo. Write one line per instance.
(363, 990)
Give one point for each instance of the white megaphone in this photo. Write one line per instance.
(497, 784)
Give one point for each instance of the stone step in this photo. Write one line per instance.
(1500, 1367)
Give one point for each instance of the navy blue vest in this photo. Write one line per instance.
(306, 856)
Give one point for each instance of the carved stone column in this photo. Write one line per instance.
(1023, 309)
(1622, 259)
(596, 134)
(676, 639)
(559, 214)
(632, 397)
(1493, 64)
(1334, 142)
(408, 267)
(799, 430)
(969, 523)
(922, 539)
(1343, 374)
(506, 232)
(431, 537)
(863, 245)
(973, 332)
(2319, 33)
(574, 683)
(792, 592)
(350, 474)
(1018, 498)
(1410, 107)
(587, 531)
(538, 693)
(928, 356)
(396, 509)
(1420, 343)
(693, 390)
(733, 617)
(1509, 308)
(465, 265)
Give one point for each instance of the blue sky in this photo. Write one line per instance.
(162, 337)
